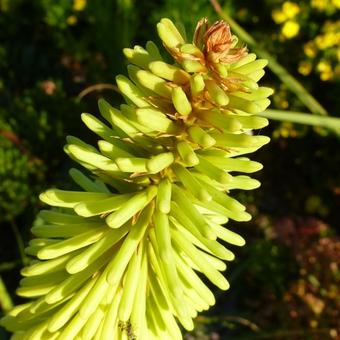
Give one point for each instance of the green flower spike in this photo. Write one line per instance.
(124, 257)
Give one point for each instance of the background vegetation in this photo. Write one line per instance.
(285, 282)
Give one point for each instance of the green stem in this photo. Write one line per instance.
(20, 242)
(332, 123)
(5, 299)
(290, 334)
(230, 319)
(5, 266)
(295, 86)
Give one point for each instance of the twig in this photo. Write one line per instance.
(242, 321)
(4, 266)
(97, 87)
(236, 319)
(20, 242)
(294, 85)
(12, 137)
(288, 334)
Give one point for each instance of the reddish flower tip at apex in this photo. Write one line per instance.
(218, 44)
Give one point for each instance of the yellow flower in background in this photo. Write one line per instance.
(305, 67)
(325, 76)
(278, 16)
(310, 49)
(327, 40)
(331, 26)
(79, 5)
(325, 69)
(290, 29)
(313, 323)
(336, 3)
(319, 4)
(72, 20)
(4, 5)
(324, 66)
(290, 9)
(331, 37)
(284, 104)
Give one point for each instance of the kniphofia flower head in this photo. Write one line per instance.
(123, 257)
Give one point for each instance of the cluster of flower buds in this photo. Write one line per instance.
(123, 257)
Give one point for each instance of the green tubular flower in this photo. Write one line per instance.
(119, 258)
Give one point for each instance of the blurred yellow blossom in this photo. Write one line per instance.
(330, 36)
(324, 76)
(278, 16)
(327, 40)
(333, 333)
(331, 26)
(305, 67)
(290, 29)
(313, 323)
(323, 66)
(310, 49)
(79, 5)
(284, 132)
(4, 5)
(326, 46)
(72, 20)
(325, 69)
(290, 9)
(284, 104)
(319, 4)
(336, 3)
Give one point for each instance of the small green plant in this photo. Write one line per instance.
(121, 258)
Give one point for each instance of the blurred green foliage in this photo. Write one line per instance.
(285, 281)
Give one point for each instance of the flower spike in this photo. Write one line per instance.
(123, 257)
